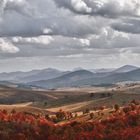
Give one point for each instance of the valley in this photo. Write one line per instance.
(69, 99)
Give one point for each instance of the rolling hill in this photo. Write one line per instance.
(53, 78)
(112, 78)
(43, 75)
(34, 75)
(65, 80)
(84, 77)
(126, 68)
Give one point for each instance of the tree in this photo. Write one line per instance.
(45, 103)
(92, 95)
(116, 107)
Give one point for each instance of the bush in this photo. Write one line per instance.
(26, 126)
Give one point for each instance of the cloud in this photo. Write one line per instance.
(65, 26)
(46, 45)
(80, 6)
(14, 24)
(7, 47)
(27, 18)
(20, 6)
(84, 42)
(44, 40)
(128, 25)
(69, 33)
(2, 5)
(47, 31)
(106, 8)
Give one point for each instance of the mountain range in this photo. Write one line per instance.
(53, 78)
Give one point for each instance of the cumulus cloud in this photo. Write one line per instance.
(107, 8)
(7, 47)
(27, 18)
(72, 32)
(84, 42)
(45, 40)
(65, 26)
(80, 6)
(47, 31)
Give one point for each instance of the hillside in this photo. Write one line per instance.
(133, 76)
(126, 68)
(86, 78)
(67, 80)
(29, 76)
(43, 75)
(53, 78)
(12, 95)
(121, 96)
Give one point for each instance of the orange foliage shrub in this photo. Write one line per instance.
(23, 126)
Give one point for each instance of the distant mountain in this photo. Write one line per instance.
(30, 76)
(53, 78)
(103, 70)
(133, 75)
(78, 68)
(65, 80)
(45, 74)
(125, 68)
(84, 77)
(15, 76)
(113, 78)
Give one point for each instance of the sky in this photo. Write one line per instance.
(64, 34)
